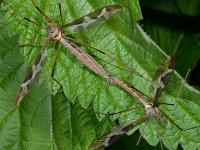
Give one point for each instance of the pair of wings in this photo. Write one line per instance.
(84, 22)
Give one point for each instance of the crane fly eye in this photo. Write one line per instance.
(51, 31)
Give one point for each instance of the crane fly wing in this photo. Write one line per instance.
(32, 74)
(107, 139)
(161, 78)
(93, 18)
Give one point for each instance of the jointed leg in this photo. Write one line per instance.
(56, 59)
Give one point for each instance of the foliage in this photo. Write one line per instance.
(46, 120)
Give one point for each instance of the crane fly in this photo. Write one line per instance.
(161, 78)
(55, 33)
(98, 69)
(159, 82)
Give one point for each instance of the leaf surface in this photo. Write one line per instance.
(47, 121)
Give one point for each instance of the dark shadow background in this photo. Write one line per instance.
(176, 17)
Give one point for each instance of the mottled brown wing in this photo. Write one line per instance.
(32, 74)
(93, 18)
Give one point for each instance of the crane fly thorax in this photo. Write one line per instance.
(53, 30)
(151, 111)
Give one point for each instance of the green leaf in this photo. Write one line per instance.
(42, 121)
(1, 1)
(48, 122)
(73, 127)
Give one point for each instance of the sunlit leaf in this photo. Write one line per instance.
(48, 122)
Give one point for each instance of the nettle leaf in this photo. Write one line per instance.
(9, 73)
(73, 127)
(45, 122)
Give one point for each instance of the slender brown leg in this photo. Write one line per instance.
(55, 61)
(36, 24)
(123, 111)
(179, 92)
(60, 9)
(41, 12)
(87, 45)
(132, 45)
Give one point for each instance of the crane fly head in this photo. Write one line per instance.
(53, 29)
(151, 111)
